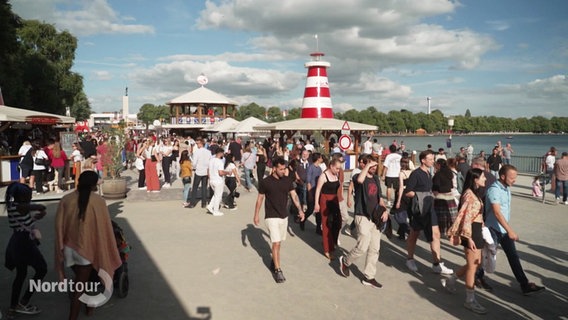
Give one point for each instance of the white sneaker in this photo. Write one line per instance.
(217, 214)
(142, 188)
(566, 202)
(411, 265)
(441, 269)
(167, 185)
(209, 209)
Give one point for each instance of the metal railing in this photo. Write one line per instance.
(527, 164)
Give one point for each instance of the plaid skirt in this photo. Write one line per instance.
(447, 211)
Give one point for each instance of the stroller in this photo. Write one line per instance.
(120, 279)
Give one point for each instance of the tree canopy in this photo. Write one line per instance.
(35, 67)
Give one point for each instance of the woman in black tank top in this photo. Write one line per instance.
(327, 203)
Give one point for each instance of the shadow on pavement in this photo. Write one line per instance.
(149, 297)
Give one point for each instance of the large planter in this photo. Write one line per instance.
(114, 188)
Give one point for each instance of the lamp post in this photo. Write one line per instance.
(449, 142)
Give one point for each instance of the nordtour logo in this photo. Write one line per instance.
(87, 288)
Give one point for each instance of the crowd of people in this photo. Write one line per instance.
(463, 199)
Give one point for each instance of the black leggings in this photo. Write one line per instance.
(166, 163)
(38, 175)
(40, 266)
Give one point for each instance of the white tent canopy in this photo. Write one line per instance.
(249, 126)
(10, 114)
(222, 126)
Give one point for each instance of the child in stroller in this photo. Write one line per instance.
(120, 280)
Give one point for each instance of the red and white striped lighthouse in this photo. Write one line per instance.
(317, 100)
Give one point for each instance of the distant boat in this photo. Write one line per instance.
(510, 137)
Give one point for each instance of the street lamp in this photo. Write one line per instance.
(449, 141)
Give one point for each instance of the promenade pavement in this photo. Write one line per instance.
(187, 264)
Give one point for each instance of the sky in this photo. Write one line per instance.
(506, 58)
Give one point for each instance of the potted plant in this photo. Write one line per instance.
(114, 186)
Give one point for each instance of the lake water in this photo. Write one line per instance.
(523, 145)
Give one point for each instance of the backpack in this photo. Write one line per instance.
(460, 179)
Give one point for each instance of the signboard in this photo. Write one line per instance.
(344, 142)
(66, 139)
(345, 129)
(47, 120)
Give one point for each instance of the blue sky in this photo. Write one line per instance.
(504, 58)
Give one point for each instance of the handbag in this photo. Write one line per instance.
(40, 162)
(139, 164)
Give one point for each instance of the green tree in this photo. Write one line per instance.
(48, 57)
(251, 110)
(294, 113)
(81, 109)
(149, 112)
(10, 57)
(274, 114)
(467, 113)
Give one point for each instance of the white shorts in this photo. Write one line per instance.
(277, 228)
(72, 258)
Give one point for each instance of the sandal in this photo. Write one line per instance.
(27, 309)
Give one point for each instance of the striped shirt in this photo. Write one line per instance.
(19, 221)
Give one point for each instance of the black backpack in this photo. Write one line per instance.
(27, 160)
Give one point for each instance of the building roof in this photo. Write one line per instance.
(202, 95)
(315, 124)
(11, 114)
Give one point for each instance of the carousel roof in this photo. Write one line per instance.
(315, 124)
(12, 114)
(202, 95)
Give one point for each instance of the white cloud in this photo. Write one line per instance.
(90, 17)
(498, 25)
(102, 75)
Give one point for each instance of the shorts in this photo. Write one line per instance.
(277, 228)
(476, 236)
(25, 172)
(391, 182)
(72, 258)
(425, 223)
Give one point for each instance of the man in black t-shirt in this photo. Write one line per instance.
(276, 188)
(236, 150)
(367, 197)
(420, 182)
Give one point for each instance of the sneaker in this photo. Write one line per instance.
(449, 283)
(142, 188)
(482, 284)
(371, 283)
(566, 202)
(167, 185)
(532, 288)
(343, 267)
(29, 309)
(279, 276)
(226, 206)
(217, 213)
(441, 269)
(475, 307)
(411, 265)
(209, 209)
(233, 208)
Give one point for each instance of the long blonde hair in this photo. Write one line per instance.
(57, 149)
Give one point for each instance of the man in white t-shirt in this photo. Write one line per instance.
(367, 146)
(309, 146)
(391, 172)
(217, 181)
